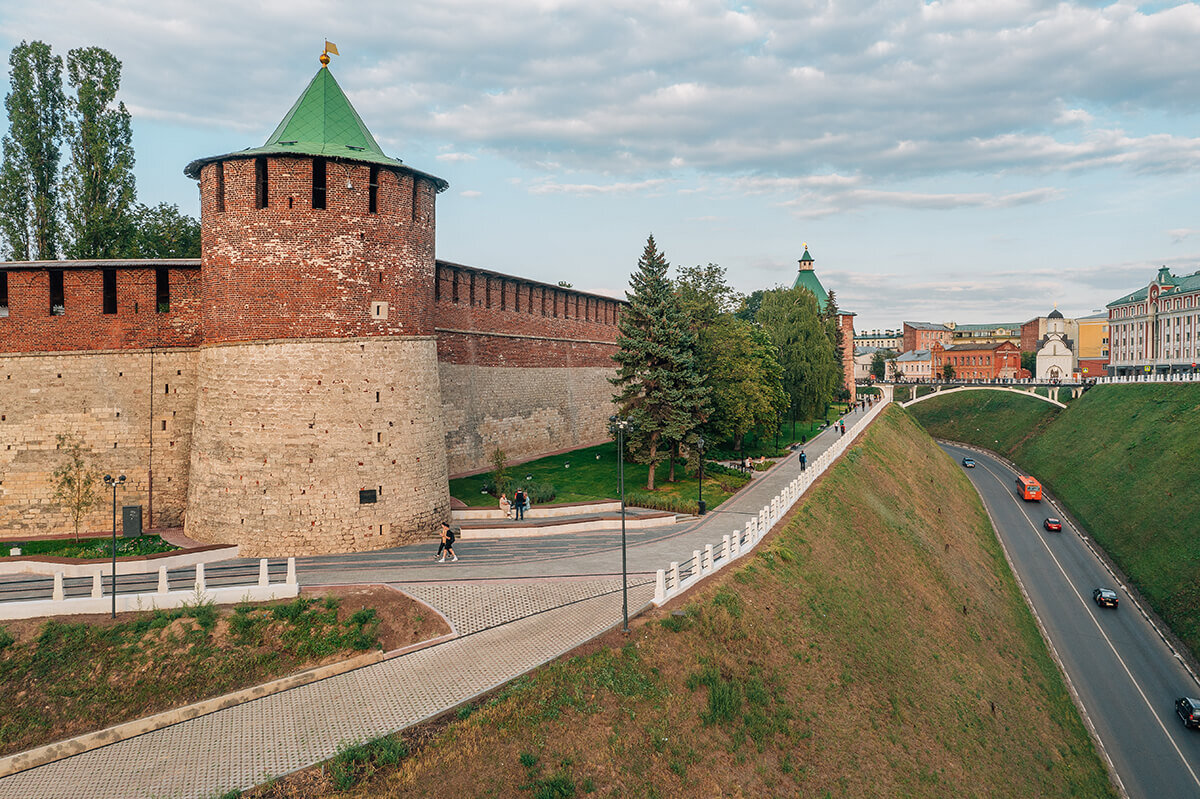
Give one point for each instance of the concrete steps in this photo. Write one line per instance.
(635, 519)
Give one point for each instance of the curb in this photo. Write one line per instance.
(22, 761)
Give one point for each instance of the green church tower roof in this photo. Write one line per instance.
(321, 122)
(807, 279)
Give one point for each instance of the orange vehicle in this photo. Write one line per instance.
(1029, 489)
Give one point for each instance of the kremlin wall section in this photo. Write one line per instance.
(291, 429)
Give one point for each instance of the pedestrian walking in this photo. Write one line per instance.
(447, 545)
(843, 427)
(803, 461)
(519, 503)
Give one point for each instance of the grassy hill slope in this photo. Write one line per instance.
(875, 645)
(1123, 460)
(995, 420)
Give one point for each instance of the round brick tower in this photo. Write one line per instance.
(318, 422)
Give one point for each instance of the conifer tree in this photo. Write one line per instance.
(29, 204)
(100, 190)
(659, 387)
(833, 323)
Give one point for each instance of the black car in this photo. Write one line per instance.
(968, 463)
(1105, 597)
(1188, 710)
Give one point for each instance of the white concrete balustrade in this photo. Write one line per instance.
(671, 582)
(98, 602)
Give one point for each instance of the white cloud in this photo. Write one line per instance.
(470, 194)
(456, 158)
(553, 187)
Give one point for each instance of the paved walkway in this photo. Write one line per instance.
(512, 613)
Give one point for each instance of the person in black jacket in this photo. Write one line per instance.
(447, 546)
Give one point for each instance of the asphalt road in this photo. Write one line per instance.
(1126, 677)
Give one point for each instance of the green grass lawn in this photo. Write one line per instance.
(90, 547)
(995, 420)
(590, 474)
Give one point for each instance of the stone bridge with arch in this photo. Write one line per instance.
(941, 390)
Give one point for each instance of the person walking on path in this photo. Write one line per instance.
(519, 503)
(803, 461)
(447, 545)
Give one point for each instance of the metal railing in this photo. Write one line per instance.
(679, 577)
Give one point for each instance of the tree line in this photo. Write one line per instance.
(697, 360)
(86, 207)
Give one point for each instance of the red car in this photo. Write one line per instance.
(1053, 525)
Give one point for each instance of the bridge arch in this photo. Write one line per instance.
(944, 392)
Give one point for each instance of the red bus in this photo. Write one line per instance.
(1029, 489)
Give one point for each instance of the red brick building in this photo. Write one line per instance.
(923, 335)
(977, 361)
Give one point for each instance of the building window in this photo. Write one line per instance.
(3, 293)
(58, 304)
(373, 191)
(162, 289)
(367, 496)
(261, 189)
(318, 192)
(220, 186)
(110, 290)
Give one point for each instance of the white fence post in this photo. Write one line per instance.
(696, 563)
(673, 583)
(725, 550)
(660, 588)
(58, 587)
(263, 574)
(163, 585)
(199, 578)
(97, 585)
(291, 572)
(708, 558)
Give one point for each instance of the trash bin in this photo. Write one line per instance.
(702, 506)
(131, 521)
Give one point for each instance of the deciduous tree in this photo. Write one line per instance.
(791, 319)
(29, 201)
(75, 481)
(161, 231)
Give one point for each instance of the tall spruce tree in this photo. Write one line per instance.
(29, 204)
(100, 189)
(659, 386)
(833, 323)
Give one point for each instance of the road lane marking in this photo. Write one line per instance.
(1107, 640)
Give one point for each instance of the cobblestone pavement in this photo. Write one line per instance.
(504, 631)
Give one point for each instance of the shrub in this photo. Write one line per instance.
(540, 493)
(646, 499)
(6, 639)
(353, 764)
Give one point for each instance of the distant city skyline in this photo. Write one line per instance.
(974, 162)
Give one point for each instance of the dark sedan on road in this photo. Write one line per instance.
(1053, 525)
(968, 462)
(1105, 597)
(1188, 710)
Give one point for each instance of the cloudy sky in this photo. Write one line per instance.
(971, 161)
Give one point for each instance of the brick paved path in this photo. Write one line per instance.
(505, 629)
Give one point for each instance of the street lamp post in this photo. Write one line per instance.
(700, 507)
(111, 483)
(622, 424)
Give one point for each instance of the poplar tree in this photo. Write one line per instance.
(31, 151)
(659, 386)
(100, 190)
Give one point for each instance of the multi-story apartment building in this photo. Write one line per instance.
(1155, 329)
(879, 339)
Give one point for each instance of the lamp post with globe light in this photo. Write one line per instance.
(113, 483)
(621, 425)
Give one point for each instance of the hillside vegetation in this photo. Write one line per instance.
(1123, 461)
(995, 420)
(875, 645)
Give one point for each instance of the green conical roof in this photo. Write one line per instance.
(321, 122)
(807, 279)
